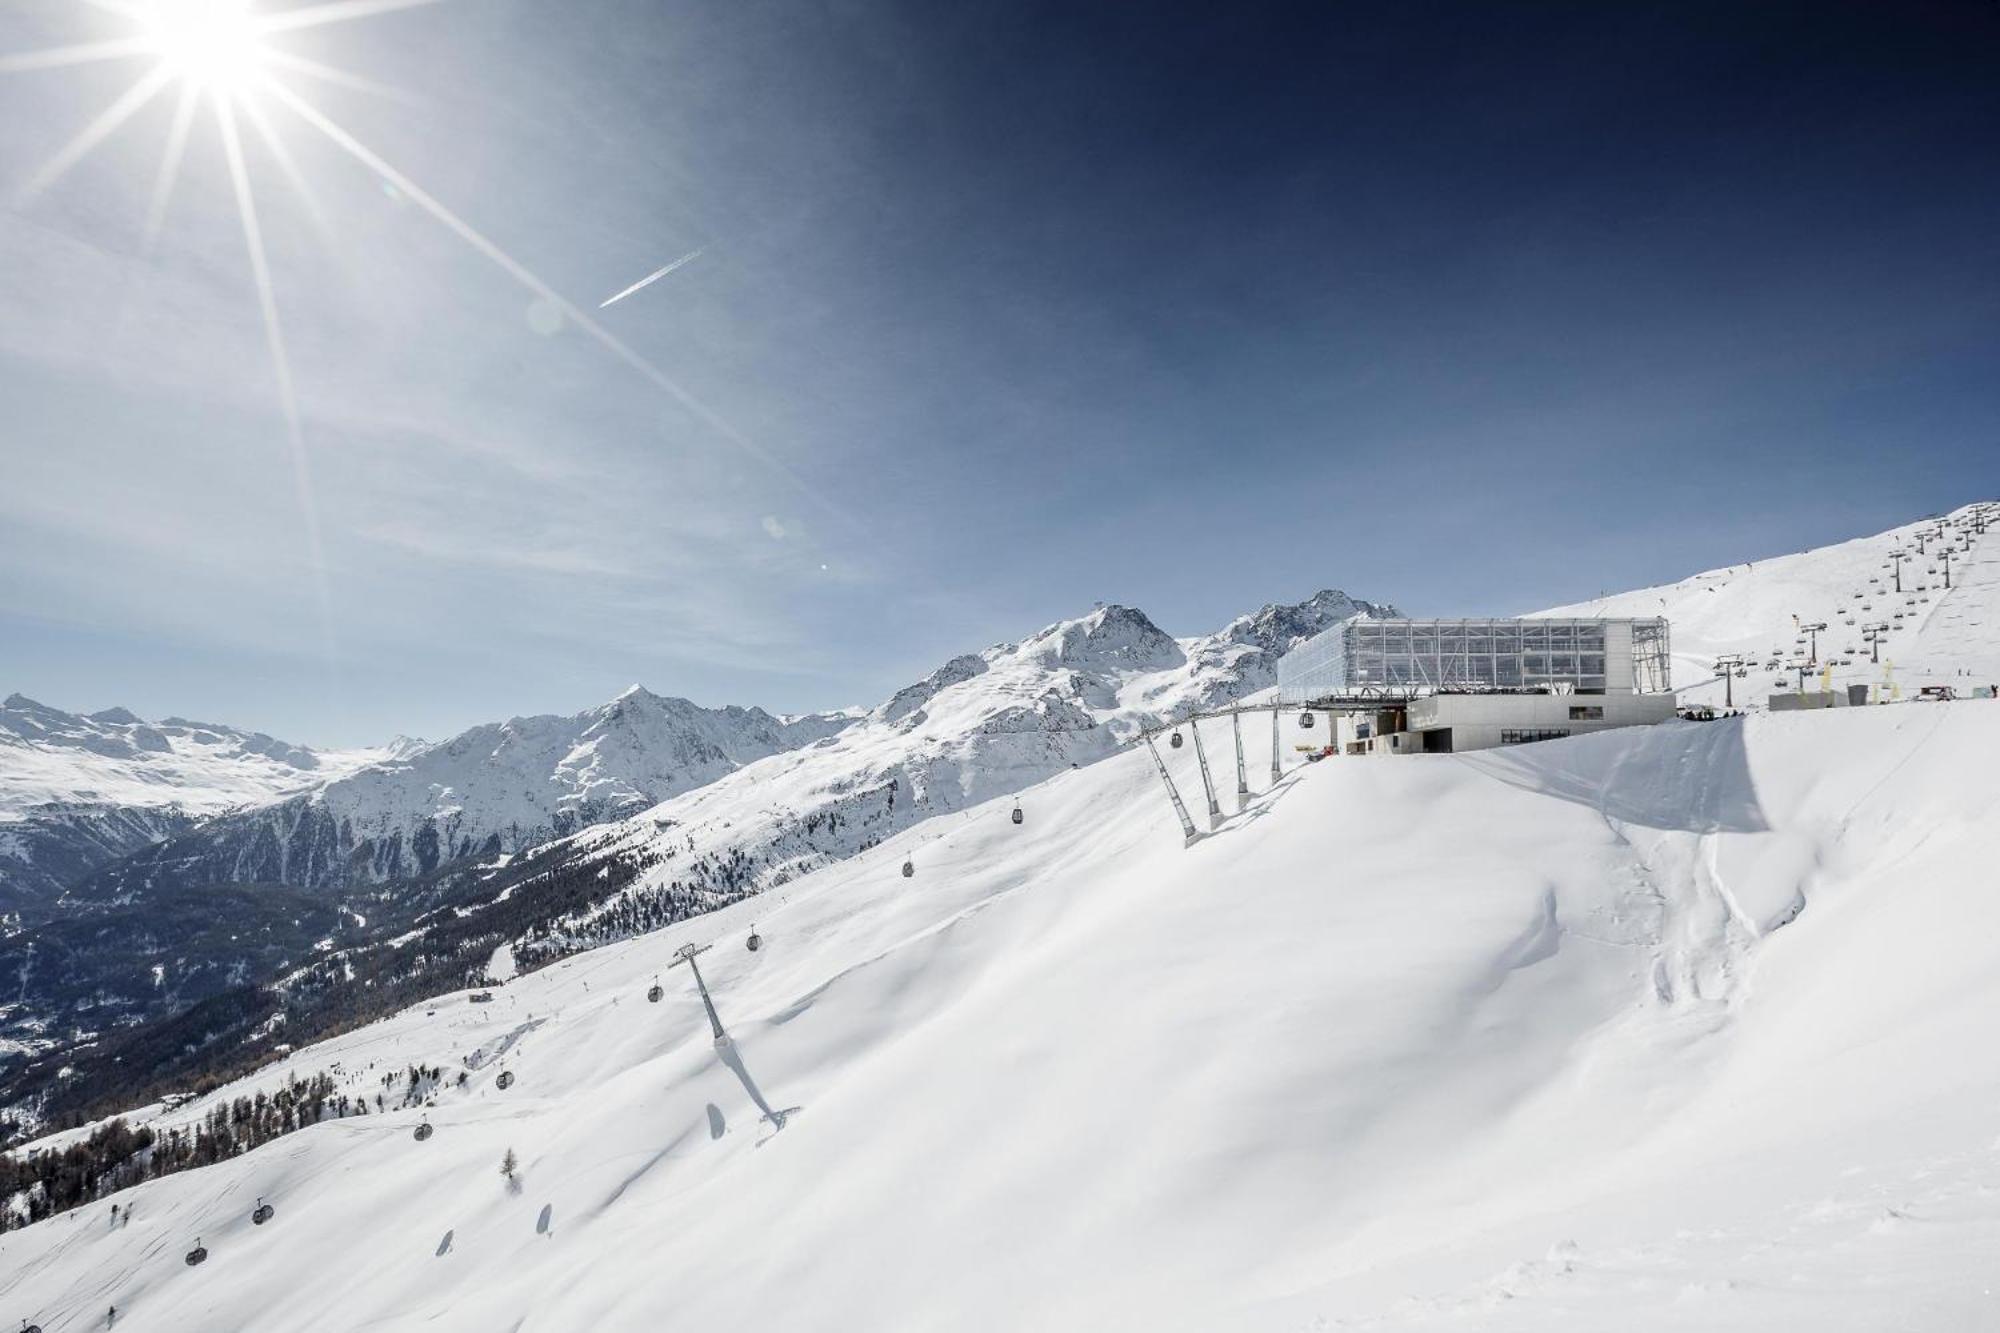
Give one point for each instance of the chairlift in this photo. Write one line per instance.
(196, 1255)
(1742, 673)
(909, 868)
(1018, 816)
(1305, 721)
(1174, 740)
(505, 1081)
(755, 942)
(264, 1213)
(424, 1130)
(653, 995)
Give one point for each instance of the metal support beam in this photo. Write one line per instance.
(1277, 742)
(686, 955)
(1242, 782)
(1173, 792)
(1207, 782)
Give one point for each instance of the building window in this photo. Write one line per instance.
(1586, 712)
(1524, 736)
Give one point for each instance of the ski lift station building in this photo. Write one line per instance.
(1438, 686)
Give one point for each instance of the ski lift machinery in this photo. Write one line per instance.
(909, 868)
(1018, 816)
(197, 1255)
(424, 1130)
(755, 942)
(505, 1081)
(263, 1213)
(654, 992)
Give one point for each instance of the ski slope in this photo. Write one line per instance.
(1937, 635)
(1685, 1027)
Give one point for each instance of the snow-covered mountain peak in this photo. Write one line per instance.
(1112, 637)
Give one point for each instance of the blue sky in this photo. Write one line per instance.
(1001, 309)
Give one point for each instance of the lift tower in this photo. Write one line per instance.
(1173, 792)
(1207, 782)
(1726, 667)
(1242, 782)
(686, 954)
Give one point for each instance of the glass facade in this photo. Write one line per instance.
(1414, 656)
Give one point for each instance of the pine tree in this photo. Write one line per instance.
(509, 1164)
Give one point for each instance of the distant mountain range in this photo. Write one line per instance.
(78, 790)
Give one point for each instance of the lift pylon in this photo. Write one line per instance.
(1207, 782)
(1277, 740)
(686, 954)
(1242, 783)
(1173, 792)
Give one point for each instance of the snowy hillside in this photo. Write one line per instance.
(79, 789)
(1936, 635)
(1685, 1027)
(497, 788)
(982, 725)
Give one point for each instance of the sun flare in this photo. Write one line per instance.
(216, 46)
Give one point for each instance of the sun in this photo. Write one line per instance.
(216, 46)
(231, 58)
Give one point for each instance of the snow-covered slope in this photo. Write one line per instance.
(499, 787)
(79, 789)
(1937, 635)
(1687, 1027)
(982, 725)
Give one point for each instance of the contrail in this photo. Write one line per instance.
(653, 277)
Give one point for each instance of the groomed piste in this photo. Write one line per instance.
(1681, 1027)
